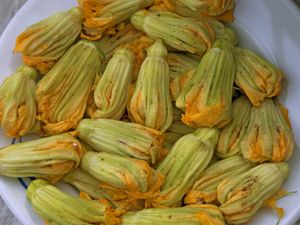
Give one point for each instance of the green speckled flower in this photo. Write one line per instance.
(89, 185)
(124, 179)
(112, 91)
(257, 77)
(151, 104)
(207, 96)
(17, 102)
(205, 188)
(268, 136)
(199, 9)
(49, 158)
(122, 138)
(232, 135)
(101, 15)
(191, 215)
(59, 208)
(190, 155)
(43, 43)
(63, 92)
(184, 34)
(242, 196)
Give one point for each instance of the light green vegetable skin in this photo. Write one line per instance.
(151, 104)
(128, 181)
(190, 155)
(44, 43)
(122, 138)
(181, 33)
(119, 172)
(99, 16)
(112, 91)
(59, 208)
(205, 188)
(191, 215)
(243, 195)
(206, 98)
(63, 92)
(49, 158)
(17, 102)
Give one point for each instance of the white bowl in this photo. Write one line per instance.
(269, 27)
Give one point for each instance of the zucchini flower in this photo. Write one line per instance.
(268, 136)
(111, 93)
(43, 43)
(89, 185)
(49, 158)
(242, 196)
(122, 138)
(205, 188)
(257, 77)
(57, 207)
(187, 159)
(63, 93)
(207, 96)
(124, 179)
(151, 104)
(101, 15)
(184, 34)
(194, 214)
(232, 135)
(180, 64)
(17, 102)
(217, 9)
